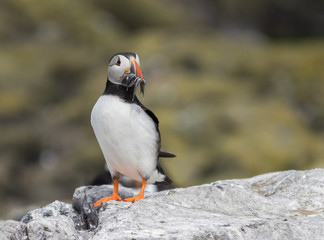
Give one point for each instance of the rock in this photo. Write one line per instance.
(57, 220)
(13, 230)
(281, 205)
(54, 209)
(85, 197)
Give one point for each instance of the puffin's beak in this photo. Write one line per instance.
(134, 68)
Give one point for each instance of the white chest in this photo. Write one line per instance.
(127, 137)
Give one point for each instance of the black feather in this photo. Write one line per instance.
(165, 154)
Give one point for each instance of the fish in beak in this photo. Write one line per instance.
(135, 69)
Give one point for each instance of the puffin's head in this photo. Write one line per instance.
(122, 63)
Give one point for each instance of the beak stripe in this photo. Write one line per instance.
(138, 71)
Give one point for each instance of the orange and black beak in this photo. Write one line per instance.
(134, 68)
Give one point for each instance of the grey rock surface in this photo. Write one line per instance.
(281, 205)
(84, 198)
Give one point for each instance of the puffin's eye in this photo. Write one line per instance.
(118, 62)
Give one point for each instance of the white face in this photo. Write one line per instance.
(117, 66)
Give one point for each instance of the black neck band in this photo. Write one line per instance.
(125, 93)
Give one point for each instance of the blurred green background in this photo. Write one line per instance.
(238, 88)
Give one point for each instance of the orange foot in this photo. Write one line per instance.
(98, 203)
(133, 199)
(114, 196)
(139, 196)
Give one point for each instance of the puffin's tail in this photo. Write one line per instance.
(167, 180)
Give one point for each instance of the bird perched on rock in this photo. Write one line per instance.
(127, 132)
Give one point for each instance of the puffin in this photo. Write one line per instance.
(128, 132)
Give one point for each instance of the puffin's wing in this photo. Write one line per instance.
(162, 153)
(148, 112)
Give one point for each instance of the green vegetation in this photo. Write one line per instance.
(230, 105)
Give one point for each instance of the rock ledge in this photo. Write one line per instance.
(280, 205)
